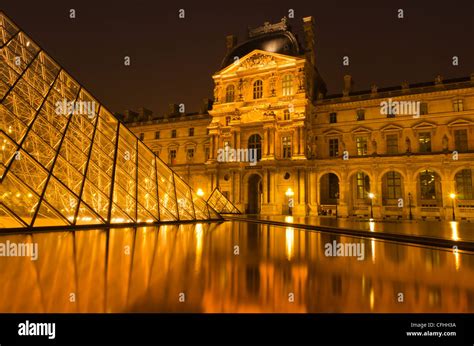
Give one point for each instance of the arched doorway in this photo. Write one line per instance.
(328, 193)
(254, 193)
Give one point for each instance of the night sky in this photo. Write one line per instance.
(173, 59)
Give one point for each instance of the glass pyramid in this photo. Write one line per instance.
(66, 160)
(219, 202)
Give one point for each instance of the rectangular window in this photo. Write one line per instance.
(423, 108)
(286, 146)
(227, 121)
(333, 147)
(286, 114)
(142, 136)
(360, 114)
(332, 118)
(394, 185)
(157, 135)
(361, 145)
(458, 105)
(287, 85)
(190, 154)
(424, 138)
(363, 186)
(460, 140)
(392, 144)
(173, 133)
(207, 153)
(191, 132)
(172, 158)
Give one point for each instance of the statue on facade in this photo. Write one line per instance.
(217, 89)
(374, 147)
(408, 145)
(445, 143)
(241, 88)
(301, 78)
(272, 84)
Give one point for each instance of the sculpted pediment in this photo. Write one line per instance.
(258, 59)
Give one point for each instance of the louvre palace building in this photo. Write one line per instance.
(275, 142)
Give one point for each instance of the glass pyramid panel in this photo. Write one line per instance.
(66, 160)
(221, 204)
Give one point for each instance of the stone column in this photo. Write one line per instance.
(344, 194)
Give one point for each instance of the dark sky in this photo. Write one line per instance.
(172, 59)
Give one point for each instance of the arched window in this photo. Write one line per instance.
(258, 89)
(362, 181)
(287, 85)
(286, 114)
(463, 179)
(391, 188)
(429, 188)
(255, 142)
(229, 93)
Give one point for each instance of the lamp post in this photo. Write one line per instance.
(453, 197)
(337, 201)
(410, 215)
(289, 193)
(371, 196)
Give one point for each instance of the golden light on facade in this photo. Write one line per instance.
(452, 195)
(289, 192)
(200, 192)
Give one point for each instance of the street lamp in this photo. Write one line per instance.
(200, 193)
(337, 201)
(371, 196)
(409, 206)
(453, 197)
(289, 193)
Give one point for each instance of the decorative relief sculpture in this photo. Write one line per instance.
(257, 60)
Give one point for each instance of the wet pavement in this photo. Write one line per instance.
(230, 267)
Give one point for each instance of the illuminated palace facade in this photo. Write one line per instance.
(415, 158)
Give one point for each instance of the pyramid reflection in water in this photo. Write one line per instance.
(66, 160)
(221, 203)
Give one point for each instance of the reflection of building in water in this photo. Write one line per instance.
(329, 149)
(145, 270)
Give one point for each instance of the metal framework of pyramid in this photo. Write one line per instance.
(221, 203)
(66, 160)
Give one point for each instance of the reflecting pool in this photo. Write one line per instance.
(228, 267)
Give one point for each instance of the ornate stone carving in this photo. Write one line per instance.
(257, 60)
(267, 27)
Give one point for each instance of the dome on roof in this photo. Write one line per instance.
(282, 42)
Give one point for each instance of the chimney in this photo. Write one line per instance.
(348, 83)
(308, 27)
(173, 109)
(206, 106)
(144, 114)
(231, 42)
(130, 116)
